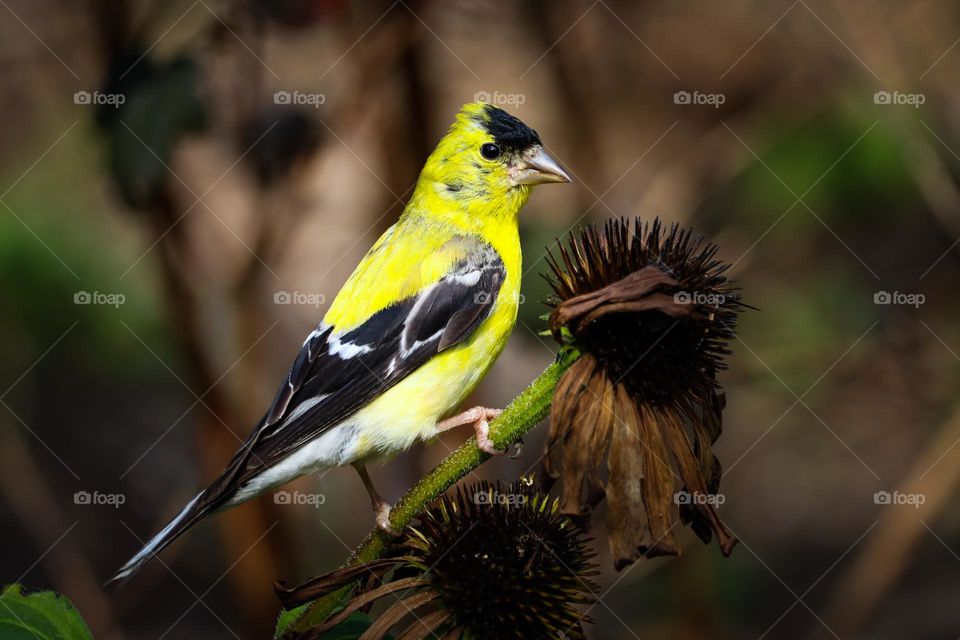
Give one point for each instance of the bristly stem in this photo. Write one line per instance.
(520, 416)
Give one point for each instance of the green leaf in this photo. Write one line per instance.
(287, 618)
(44, 615)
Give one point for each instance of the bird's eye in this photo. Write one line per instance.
(490, 151)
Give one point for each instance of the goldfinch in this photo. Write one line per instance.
(412, 332)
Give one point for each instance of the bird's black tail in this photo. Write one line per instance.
(195, 510)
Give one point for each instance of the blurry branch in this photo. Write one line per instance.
(884, 558)
(143, 176)
(31, 498)
(926, 163)
(404, 131)
(392, 45)
(576, 93)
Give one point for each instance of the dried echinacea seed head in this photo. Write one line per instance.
(494, 561)
(651, 313)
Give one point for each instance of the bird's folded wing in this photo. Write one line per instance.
(338, 372)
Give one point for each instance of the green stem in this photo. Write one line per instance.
(527, 409)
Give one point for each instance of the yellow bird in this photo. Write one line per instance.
(412, 332)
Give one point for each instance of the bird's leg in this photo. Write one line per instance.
(380, 507)
(478, 417)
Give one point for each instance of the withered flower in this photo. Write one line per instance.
(496, 561)
(650, 312)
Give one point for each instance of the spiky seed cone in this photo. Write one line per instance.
(652, 312)
(506, 562)
(495, 561)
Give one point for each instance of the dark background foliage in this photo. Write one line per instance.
(228, 216)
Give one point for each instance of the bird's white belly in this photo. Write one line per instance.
(335, 447)
(407, 412)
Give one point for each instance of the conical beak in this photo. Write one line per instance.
(537, 167)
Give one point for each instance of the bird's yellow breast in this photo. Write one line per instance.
(410, 410)
(455, 198)
(398, 266)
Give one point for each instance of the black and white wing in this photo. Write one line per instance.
(336, 374)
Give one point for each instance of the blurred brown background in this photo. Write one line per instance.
(184, 186)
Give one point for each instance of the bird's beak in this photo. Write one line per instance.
(537, 167)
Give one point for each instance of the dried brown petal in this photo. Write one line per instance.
(400, 610)
(314, 588)
(627, 525)
(658, 486)
(562, 411)
(426, 626)
(591, 421)
(359, 602)
(641, 290)
(696, 485)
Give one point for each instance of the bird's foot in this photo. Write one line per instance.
(484, 443)
(478, 417)
(382, 511)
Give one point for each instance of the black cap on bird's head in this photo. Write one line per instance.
(488, 151)
(508, 131)
(510, 142)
